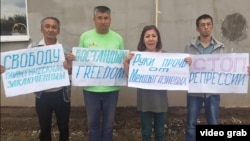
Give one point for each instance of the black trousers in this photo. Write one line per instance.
(48, 103)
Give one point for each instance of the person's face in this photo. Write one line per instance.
(102, 22)
(205, 27)
(150, 40)
(50, 29)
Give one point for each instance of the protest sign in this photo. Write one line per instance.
(34, 69)
(219, 73)
(159, 71)
(98, 67)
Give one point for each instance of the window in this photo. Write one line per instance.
(14, 21)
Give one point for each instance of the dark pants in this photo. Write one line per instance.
(159, 120)
(45, 105)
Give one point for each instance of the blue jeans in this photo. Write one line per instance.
(100, 108)
(194, 105)
(159, 120)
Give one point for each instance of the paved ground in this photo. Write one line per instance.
(20, 123)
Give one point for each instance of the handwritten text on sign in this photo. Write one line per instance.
(162, 71)
(35, 69)
(98, 67)
(219, 73)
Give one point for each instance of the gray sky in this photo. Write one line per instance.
(12, 7)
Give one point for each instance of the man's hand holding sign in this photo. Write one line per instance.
(35, 69)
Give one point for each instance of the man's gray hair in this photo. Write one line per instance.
(53, 18)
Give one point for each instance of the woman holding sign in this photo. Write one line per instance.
(152, 105)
